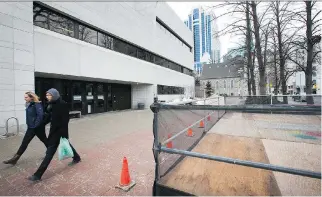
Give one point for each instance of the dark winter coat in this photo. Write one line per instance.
(57, 113)
(34, 115)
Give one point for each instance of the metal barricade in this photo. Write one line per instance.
(169, 128)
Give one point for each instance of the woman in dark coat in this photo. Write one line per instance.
(57, 114)
(34, 117)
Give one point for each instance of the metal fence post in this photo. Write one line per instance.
(156, 144)
(218, 110)
(271, 99)
(204, 118)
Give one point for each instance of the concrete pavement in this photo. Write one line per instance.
(102, 141)
(289, 140)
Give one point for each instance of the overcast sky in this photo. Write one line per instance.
(184, 8)
(228, 41)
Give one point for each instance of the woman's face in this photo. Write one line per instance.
(49, 96)
(27, 98)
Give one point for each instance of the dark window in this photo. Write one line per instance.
(54, 22)
(149, 57)
(40, 17)
(186, 71)
(132, 51)
(120, 46)
(175, 67)
(170, 90)
(46, 18)
(165, 63)
(87, 34)
(141, 54)
(105, 41)
(159, 60)
(60, 25)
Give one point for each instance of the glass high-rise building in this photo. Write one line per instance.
(203, 26)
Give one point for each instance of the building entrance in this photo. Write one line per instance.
(87, 97)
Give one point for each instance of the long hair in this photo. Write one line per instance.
(33, 96)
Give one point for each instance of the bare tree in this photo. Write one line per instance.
(250, 64)
(259, 54)
(306, 43)
(241, 26)
(283, 20)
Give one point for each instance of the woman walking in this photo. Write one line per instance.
(57, 114)
(34, 117)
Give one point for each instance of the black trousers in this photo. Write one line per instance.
(30, 134)
(51, 150)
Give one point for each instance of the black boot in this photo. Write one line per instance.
(34, 178)
(13, 160)
(75, 161)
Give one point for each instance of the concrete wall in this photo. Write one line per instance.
(56, 53)
(16, 59)
(142, 93)
(135, 22)
(25, 49)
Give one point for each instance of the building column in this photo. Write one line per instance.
(143, 93)
(16, 60)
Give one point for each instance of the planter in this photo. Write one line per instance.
(141, 106)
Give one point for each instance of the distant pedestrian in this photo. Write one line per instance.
(57, 114)
(35, 127)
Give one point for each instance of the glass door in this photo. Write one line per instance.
(100, 98)
(108, 90)
(77, 104)
(65, 93)
(89, 98)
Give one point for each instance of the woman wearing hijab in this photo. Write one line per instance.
(34, 117)
(57, 114)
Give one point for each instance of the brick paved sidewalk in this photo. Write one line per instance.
(100, 169)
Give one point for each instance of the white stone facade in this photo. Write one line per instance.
(27, 50)
(229, 86)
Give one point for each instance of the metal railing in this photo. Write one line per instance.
(158, 147)
(275, 99)
(259, 165)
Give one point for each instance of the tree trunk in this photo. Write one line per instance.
(261, 66)
(308, 73)
(249, 51)
(281, 53)
(275, 71)
(252, 75)
(248, 82)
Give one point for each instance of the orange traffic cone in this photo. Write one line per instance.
(201, 124)
(125, 183)
(208, 118)
(169, 144)
(189, 133)
(125, 175)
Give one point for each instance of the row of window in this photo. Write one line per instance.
(196, 43)
(170, 90)
(224, 85)
(172, 36)
(45, 18)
